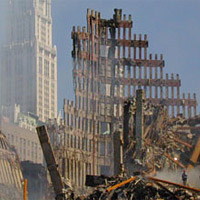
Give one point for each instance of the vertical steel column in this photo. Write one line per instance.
(150, 78)
(172, 94)
(129, 57)
(183, 106)
(139, 125)
(156, 77)
(118, 149)
(178, 95)
(189, 106)
(195, 108)
(140, 50)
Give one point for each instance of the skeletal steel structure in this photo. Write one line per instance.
(110, 64)
(106, 55)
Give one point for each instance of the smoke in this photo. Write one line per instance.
(3, 9)
(176, 176)
(3, 21)
(9, 192)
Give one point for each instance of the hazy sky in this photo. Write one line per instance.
(172, 26)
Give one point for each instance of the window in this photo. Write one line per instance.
(79, 141)
(90, 145)
(109, 148)
(72, 141)
(102, 148)
(83, 145)
(75, 146)
(40, 65)
(52, 71)
(46, 68)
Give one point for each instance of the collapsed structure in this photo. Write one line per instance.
(10, 174)
(151, 144)
(110, 64)
(139, 188)
(153, 141)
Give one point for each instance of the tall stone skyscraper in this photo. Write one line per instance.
(29, 62)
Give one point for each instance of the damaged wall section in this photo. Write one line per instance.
(10, 174)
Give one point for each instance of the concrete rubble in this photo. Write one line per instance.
(105, 130)
(169, 143)
(141, 188)
(149, 143)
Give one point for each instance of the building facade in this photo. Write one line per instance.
(110, 64)
(20, 130)
(74, 150)
(25, 142)
(29, 61)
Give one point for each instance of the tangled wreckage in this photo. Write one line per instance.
(154, 141)
(137, 144)
(140, 188)
(110, 65)
(149, 143)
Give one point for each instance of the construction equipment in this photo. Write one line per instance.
(62, 191)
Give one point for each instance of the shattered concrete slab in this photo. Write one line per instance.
(141, 188)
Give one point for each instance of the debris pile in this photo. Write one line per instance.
(166, 142)
(10, 171)
(152, 142)
(141, 188)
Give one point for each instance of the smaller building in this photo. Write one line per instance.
(20, 130)
(25, 142)
(14, 115)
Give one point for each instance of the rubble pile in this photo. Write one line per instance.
(168, 143)
(141, 188)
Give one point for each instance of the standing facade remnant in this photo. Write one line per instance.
(83, 152)
(109, 65)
